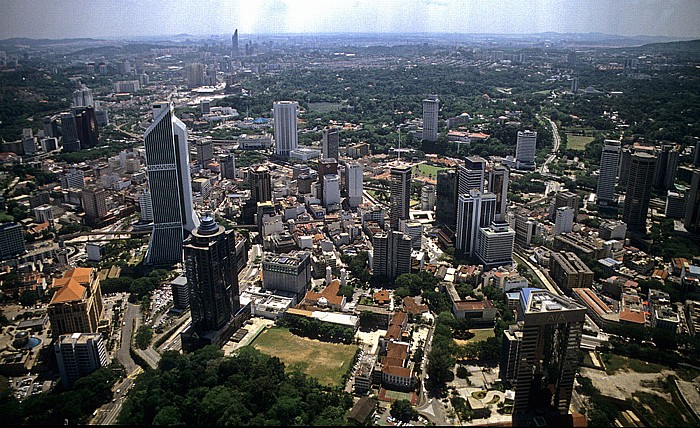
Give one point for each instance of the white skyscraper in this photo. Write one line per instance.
(471, 175)
(431, 106)
(83, 97)
(285, 117)
(353, 183)
(609, 163)
(169, 182)
(525, 150)
(146, 205)
(564, 220)
(495, 245)
(331, 191)
(474, 210)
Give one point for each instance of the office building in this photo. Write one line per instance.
(472, 174)
(391, 254)
(43, 213)
(353, 183)
(400, 199)
(76, 305)
(666, 167)
(568, 271)
(498, 185)
(146, 206)
(11, 240)
(413, 230)
(609, 164)
(227, 163)
(638, 193)
(194, 74)
(566, 199)
(331, 192)
(83, 97)
(86, 126)
(330, 142)
(170, 186)
(289, 272)
(574, 85)
(285, 121)
(495, 245)
(94, 204)
(431, 107)
(675, 205)
(563, 220)
(691, 220)
(205, 151)
(234, 44)
(212, 281)
(525, 228)
(261, 183)
(126, 86)
(446, 198)
(326, 167)
(548, 357)
(79, 354)
(525, 150)
(427, 197)
(510, 351)
(181, 292)
(474, 210)
(69, 133)
(73, 179)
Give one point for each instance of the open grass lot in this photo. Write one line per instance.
(480, 334)
(614, 363)
(325, 107)
(327, 362)
(427, 170)
(577, 142)
(658, 412)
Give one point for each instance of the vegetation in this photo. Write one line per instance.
(315, 329)
(403, 411)
(250, 388)
(143, 338)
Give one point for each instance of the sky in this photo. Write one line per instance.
(124, 18)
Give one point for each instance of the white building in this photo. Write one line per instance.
(353, 183)
(471, 175)
(285, 117)
(303, 153)
(146, 205)
(414, 230)
(564, 220)
(79, 354)
(525, 150)
(43, 213)
(331, 190)
(427, 198)
(474, 210)
(495, 246)
(431, 107)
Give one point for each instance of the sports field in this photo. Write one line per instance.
(577, 142)
(425, 170)
(325, 361)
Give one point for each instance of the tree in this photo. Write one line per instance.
(462, 372)
(168, 415)
(402, 410)
(28, 298)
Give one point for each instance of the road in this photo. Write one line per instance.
(557, 143)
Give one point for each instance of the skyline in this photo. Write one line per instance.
(104, 19)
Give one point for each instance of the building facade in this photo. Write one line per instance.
(400, 199)
(431, 108)
(79, 354)
(474, 210)
(525, 150)
(639, 184)
(76, 305)
(609, 165)
(391, 254)
(285, 118)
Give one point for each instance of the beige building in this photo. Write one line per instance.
(76, 306)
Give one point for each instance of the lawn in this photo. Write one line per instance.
(614, 363)
(324, 107)
(327, 362)
(425, 170)
(577, 142)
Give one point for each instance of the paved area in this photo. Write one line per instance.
(623, 383)
(257, 325)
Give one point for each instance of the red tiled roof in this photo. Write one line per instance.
(632, 316)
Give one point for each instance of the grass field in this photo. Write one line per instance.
(480, 334)
(327, 362)
(427, 170)
(577, 142)
(325, 107)
(618, 362)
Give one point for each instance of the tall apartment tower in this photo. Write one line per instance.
(330, 142)
(472, 174)
(548, 357)
(146, 205)
(79, 354)
(446, 198)
(331, 191)
(691, 219)
(525, 150)
(666, 167)
(170, 185)
(391, 254)
(431, 106)
(11, 240)
(474, 210)
(194, 73)
(400, 201)
(234, 44)
(83, 97)
(285, 116)
(353, 183)
(498, 185)
(212, 278)
(227, 163)
(638, 193)
(609, 164)
(261, 183)
(563, 220)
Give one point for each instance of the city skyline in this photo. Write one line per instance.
(625, 18)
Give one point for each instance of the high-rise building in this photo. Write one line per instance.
(574, 85)
(94, 204)
(472, 174)
(331, 192)
(11, 240)
(43, 213)
(86, 126)
(181, 292)
(565, 199)
(495, 245)
(548, 357)
(170, 185)
(212, 280)
(563, 220)
(83, 97)
(194, 73)
(638, 193)
(609, 164)
(234, 44)
(427, 197)
(69, 133)
(391, 254)
(446, 198)
(325, 167)
(73, 179)
(568, 271)
(330, 142)
(691, 219)
(285, 117)
(431, 107)
(696, 152)
(400, 198)
(510, 351)
(413, 230)
(666, 167)
(146, 205)
(287, 272)
(79, 354)
(227, 163)
(353, 183)
(498, 185)
(261, 183)
(205, 151)
(525, 228)
(474, 210)
(76, 306)
(525, 150)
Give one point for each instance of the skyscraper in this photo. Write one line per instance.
(548, 357)
(285, 117)
(692, 204)
(212, 278)
(391, 254)
(170, 185)
(86, 126)
(325, 167)
(666, 167)
(11, 240)
(205, 151)
(400, 200)
(446, 198)
(261, 183)
(331, 191)
(639, 184)
(498, 185)
(609, 164)
(79, 354)
(563, 220)
(194, 73)
(227, 163)
(353, 183)
(94, 205)
(431, 106)
(83, 97)
(146, 206)
(234, 44)
(69, 133)
(565, 199)
(495, 245)
(471, 174)
(525, 150)
(330, 142)
(474, 210)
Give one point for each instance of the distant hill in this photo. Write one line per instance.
(689, 50)
(47, 42)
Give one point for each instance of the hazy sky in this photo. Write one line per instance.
(123, 18)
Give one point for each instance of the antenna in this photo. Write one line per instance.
(399, 149)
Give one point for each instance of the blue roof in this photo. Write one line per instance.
(260, 120)
(525, 295)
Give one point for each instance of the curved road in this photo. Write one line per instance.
(557, 143)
